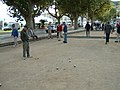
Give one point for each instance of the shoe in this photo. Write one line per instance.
(106, 43)
(59, 40)
(29, 57)
(64, 42)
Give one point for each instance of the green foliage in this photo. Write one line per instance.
(5, 24)
(106, 12)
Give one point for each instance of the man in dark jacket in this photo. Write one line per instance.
(25, 40)
(118, 32)
(65, 32)
(108, 29)
(87, 27)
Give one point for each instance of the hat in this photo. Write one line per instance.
(26, 26)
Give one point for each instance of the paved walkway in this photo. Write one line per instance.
(81, 64)
(6, 39)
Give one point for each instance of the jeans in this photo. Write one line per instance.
(65, 37)
(87, 33)
(118, 37)
(15, 40)
(26, 49)
(50, 34)
(107, 37)
(59, 35)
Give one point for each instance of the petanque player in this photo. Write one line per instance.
(14, 34)
(108, 30)
(65, 32)
(25, 40)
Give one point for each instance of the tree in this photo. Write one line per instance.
(107, 15)
(74, 9)
(56, 6)
(94, 6)
(27, 9)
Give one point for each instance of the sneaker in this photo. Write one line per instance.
(29, 57)
(64, 42)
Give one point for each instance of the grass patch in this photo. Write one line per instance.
(8, 31)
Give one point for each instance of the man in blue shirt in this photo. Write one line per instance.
(65, 32)
(15, 34)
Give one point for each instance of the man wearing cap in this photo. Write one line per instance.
(25, 40)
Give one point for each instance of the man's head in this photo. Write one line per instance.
(108, 22)
(13, 25)
(63, 23)
(25, 28)
(50, 23)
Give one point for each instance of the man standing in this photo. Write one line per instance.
(108, 29)
(87, 27)
(118, 32)
(65, 32)
(49, 31)
(15, 34)
(59, 29)
(25, 40)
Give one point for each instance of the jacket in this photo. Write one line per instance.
(65, 28)
(108, 28)
(118, 29)
(87, 27)
(24, 36)
(15, 33)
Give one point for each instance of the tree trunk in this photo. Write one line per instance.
(72, 22)
(58, 20)
(33, 22)
(29, 21)
(76, 23)
(82, 21)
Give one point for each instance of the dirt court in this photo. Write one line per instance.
(81, 64)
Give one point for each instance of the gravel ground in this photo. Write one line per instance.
(81, 64)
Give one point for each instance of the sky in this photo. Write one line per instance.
(4, 13)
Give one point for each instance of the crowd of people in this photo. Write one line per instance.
(107, 28)
(62, 29)
(27, 32)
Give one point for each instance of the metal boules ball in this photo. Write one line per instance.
(57, 68)
(0, 84)
(75, 66)
(69, 60)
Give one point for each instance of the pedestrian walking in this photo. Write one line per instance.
(108, 30)
(118, 32)
(65, 32)
(87, 27)
(25, 40)
(59, 29)
(50, 31)
(14, 34)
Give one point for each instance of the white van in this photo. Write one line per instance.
(9, 26)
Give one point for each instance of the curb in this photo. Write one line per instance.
(40, 38)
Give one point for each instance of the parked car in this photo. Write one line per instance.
(9, 26)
